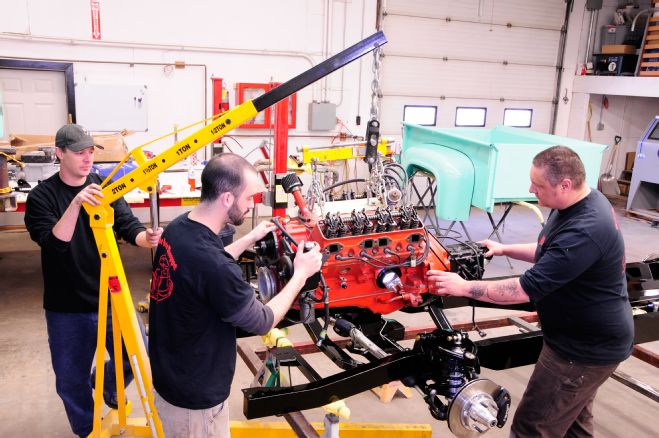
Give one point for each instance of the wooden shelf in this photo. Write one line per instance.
(617, 85)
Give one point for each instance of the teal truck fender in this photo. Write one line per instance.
(453, 172)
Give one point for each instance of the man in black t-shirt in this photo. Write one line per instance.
(579, 288)
(71, 270)
(199, 298)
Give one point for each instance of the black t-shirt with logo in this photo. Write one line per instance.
(198, 298)
(578, 283)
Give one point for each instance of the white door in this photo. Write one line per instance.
(34, 101)
(492, 54)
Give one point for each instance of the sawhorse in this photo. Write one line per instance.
(499, 224)
(429, 218)
(432, 222)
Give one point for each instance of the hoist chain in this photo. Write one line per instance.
(376, 92)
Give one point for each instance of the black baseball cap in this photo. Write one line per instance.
(75, 138)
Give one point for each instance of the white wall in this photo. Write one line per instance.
(248, 41)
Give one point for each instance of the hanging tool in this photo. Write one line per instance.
(605, 104)
(608, 183)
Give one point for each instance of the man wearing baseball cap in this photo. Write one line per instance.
(71, 270)
(75, 138)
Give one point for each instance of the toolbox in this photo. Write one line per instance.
(615, 65)
(104, 169)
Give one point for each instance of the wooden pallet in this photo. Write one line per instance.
(649, 61)
(651, 216)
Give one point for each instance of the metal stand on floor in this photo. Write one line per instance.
(429, 218)
(428, 213)
(450, 228)
(497, 225)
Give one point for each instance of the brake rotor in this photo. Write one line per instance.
(473, 411)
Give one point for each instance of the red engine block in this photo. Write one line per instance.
(354, 263)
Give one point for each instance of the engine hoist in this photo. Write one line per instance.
(113, 286)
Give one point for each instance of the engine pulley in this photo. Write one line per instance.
(267, 283)
(267, 249)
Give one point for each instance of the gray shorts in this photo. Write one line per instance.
(193, 423)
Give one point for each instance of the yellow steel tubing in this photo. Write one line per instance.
(175, 153)
(278, 429)
(336, 154)
(119, 371)
(100, 348)
(123, 309)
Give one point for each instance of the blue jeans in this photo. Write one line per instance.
(72, 340)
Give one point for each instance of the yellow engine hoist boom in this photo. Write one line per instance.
(113, 278)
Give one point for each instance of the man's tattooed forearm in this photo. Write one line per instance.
(503, 291)
(477, 290)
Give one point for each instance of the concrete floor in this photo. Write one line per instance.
(29, 406)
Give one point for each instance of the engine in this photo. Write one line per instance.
(375, 259)
(375, 256)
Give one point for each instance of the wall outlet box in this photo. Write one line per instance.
(322, 116)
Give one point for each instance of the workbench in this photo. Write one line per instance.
(175, 198)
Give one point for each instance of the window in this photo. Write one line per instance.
(470, 116)
(517, 117)
(424, 115)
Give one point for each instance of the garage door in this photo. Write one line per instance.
(34, 101)
(499, 56)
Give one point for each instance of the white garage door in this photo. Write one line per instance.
(34, 101)
(492, 54)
